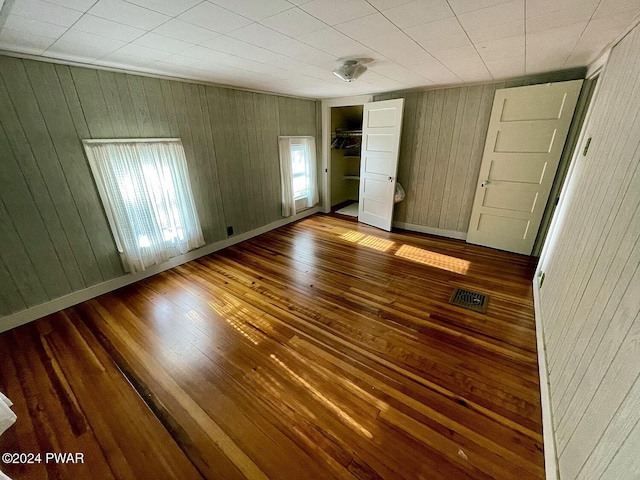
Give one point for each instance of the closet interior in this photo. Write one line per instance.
(346, 140)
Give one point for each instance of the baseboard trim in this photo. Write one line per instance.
(25, 316)
(431, 231)
(550, 456)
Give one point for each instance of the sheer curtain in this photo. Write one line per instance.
(146, 193)
(298, 174)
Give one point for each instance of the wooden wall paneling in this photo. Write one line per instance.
(73, 176)
(36, 233)
(615, 368)
(449, 156)
(155, 103)
(83, 186)
(429, 156)
(603, 269)
(242, 165)
(473, 168)
(463, 158)
(272, 117)
(113, 102)
(437, 191)
(246, 139)
(589, 302)
(196, 123)
(406, 153)
(91, 98)
(217, 220)
(237, 195)
(128, 108)
(188, 142)
(146, 125)
(15, 192)
(167, 100)
(10, 298)
(595, 186)
(219, 131)
(623, 430)
(65, 228)
(265, 163)
(418, 165)
(252, 135)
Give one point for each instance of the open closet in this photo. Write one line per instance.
(346, 143)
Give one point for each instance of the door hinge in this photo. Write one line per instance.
(586, 147)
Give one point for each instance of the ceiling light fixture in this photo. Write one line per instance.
(349, 70)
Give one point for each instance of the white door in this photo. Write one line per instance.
(381, 126)
(526, 135)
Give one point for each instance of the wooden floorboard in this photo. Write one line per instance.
(323, 349)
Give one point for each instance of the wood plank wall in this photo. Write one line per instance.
(443, 136)
(590, 299)
(54, 237)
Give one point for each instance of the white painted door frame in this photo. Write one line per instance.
(327, 105)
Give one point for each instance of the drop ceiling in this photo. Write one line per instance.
(291, 46)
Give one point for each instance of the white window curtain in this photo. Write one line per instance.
(298, 172)
(144, 185)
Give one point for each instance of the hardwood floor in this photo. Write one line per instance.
(324, 349)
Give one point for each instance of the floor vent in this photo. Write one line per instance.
(471, 300)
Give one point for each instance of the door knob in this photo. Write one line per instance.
(485, 183)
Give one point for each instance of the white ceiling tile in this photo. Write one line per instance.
(561, 39)
(442, 43)
(18, 41)
(439, 28)
(464, 6)
(127, 13)
(495, 15)
(367, 27)
(502, 48)
(46, 12)
(494, 32)
(506, 67)
(107, 28)
(608, 8)
(394, 45)
(418, 12)
(559, 18)
(160, 42)
(83, 45)
(293, 22)
(303, 52)
(80, 5)
(238, 48)
(539, 7)
(36, 27)
(187, 32)
(135, 50)
(387, 4)
(333, 12)
(254, 9)
(397, 72)
(259, 35)
(335, 43)
(167, 7)
(213, 17)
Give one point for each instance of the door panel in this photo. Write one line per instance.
(381, 128)
(525, 138)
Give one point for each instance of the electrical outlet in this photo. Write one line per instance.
(229, 231)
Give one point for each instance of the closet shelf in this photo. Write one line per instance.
(346, 133)
(351, 156)
(352, 177)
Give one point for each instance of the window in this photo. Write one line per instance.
(298, 174)
(145, 190)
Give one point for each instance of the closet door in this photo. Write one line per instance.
(381, 126)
